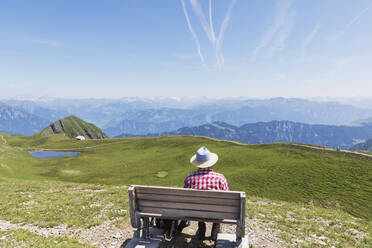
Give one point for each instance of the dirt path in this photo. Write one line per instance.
(333, 150)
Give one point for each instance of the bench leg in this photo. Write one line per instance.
(137, 234)
(156, 236)
(240, 231)
(146, 228)
(225, 240)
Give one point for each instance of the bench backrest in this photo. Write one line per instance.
(187, 204)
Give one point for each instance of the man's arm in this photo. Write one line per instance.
(186, 183)
(223, 184)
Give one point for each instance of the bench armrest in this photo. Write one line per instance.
(134, 218)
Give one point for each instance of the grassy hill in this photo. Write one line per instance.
(298, 177)
(72, 126)
(275, 171)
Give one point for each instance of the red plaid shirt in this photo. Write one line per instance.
(206, 179)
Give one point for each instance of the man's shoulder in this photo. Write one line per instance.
(198, 173)
(191, 175)
(218, 174)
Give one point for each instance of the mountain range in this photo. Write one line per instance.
(139, 116)
(344, 137)
(144, 121)
(142, 116)
(16, 121)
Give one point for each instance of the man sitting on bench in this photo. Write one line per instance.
(204, 179)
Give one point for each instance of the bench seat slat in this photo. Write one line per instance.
(190, 206)
(189, 199)
(188, 192)
(160, 216)
(185, 213)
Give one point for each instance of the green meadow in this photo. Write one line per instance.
(335, 185)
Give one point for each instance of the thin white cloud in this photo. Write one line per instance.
(341, 64)
(184, 56)
(221, 34)
(337, 68)
(167, 64)
(309, 38)
(281, 75)
(282, 9)
(208, 28)
(193, 34)
(351, 23)
(211, 21)
(48, 42)
(278, 43)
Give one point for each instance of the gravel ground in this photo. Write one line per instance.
(108, 236)
(258, 237)
(103, 236)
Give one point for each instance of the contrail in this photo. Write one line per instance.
(278, 43)
(309, 37)
(207, 28)
(219, 55)
(210, 20)
(282, 9)
(193, 34)
(360, 15)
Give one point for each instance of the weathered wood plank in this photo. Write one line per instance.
(187, 192)
(189, 206)
(183, 214)
(132, 206)
(240, 228)
(190, 199)
(160, 216)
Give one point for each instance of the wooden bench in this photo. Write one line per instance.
(187, 204)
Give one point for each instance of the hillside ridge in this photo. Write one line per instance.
(331, 136)
(72, 127)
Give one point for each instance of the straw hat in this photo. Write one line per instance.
(203, 158)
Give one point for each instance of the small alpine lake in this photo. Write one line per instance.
(52, 154)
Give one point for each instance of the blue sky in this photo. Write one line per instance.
(100, 49)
